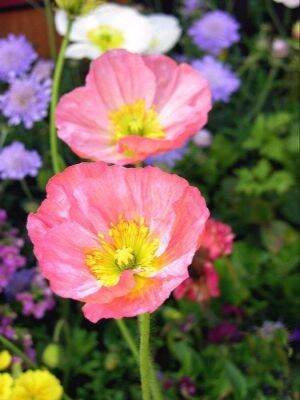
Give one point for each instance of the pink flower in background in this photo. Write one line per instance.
(215, 241)
(202, 288)
(121, 250)
(133, 107)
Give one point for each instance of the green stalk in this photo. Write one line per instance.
(155, 387)
(14, 349)
(54, 99)
(50, 26)
(128, 339)
(144, 325)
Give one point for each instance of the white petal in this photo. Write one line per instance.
(61, 22)
(78, 51)
(166, 33)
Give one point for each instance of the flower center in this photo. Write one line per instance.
(136, 119)
(129, 245)
(106, 37)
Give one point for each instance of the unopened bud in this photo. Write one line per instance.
(52, 355)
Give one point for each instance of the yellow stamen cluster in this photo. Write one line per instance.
(106, 37)
(129, 245)
(136, 119)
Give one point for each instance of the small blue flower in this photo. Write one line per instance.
(16, 56)
(169, 159)
(215, 31)
(16, 162)
(223, 82)
(19, 282)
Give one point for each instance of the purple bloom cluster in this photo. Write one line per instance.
(215, 31)
(16, 162)
(169, 159)
(26, 286)
(16, 56)
(26, 101)
(27, 97)
(223, 82)
(10, 258)
(38, 299)
(190, 6)
(6, 324)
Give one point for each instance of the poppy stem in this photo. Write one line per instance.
(144, 325)
(56, 163)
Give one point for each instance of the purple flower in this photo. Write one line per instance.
(16, 162)
(170, 158)
(203, 138)
(3, 216)
(42, 70)
(190, 6)
(215, 31)
(19, 282)
(6, 328)
(224, 332)
(268, 329)
(26, 101)
(223, 82)
(187, 387)
(10, 261)
(16, 56)
(232, 310)
(38, 299)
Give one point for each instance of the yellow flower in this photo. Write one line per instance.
(37, 385)
(5, 360)
(6, 382)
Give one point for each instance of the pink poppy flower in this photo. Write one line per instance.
(118, 239)
(132, 107)
(200, 288)
(216, 239)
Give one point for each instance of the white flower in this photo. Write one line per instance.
(289, 3)
(203, 138)
(166, 33)
(107, 27)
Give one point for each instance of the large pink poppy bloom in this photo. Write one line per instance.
(118, 239)
(132, 107)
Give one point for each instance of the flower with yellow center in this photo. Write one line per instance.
(36, 385)
(109, 26)
(130, 245)
(6, 382)
(5, 360)
(106, 37)
(136, 119)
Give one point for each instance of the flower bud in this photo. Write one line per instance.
(280, 48)
(78, 7)
(111, 361)
(171, 313)
(296, 31)
(52, 355)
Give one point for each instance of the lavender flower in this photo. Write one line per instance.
(6, 324)
(42, 70)
(268, 329)
(10, 261)
(38, 299)
(3, 216)
(215, 31)
(19, 282)
(26, 101)
(16, 56)
(203, 138)
(169, 159)
(190, 6)
(16, 162)
(223, 82)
